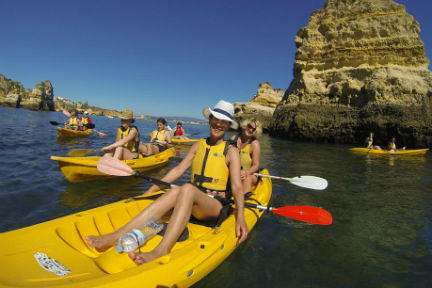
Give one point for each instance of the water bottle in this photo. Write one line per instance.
(137, 237)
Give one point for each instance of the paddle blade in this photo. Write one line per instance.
(101, 134)
(54, 123)
(80, 152)
(66, 113)
(112, 166)
(311, 182)
(308, 214)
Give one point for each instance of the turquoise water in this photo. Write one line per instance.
(382, 206)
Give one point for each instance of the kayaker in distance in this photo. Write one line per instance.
(221, 161)
(73, 121)
(84, 121)
(127, 141)
(369, 142)
(179, 133)
(392, 146)
(250, 151)
(159, 139)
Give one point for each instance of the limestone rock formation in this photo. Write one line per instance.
(360, 65)
(13, 94)
(261, 106)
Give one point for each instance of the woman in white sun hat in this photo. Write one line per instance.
(221, 161)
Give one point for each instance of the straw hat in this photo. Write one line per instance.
(127, 115)
(222, 110)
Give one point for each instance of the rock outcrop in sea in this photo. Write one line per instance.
(261, 106)
(13, 94)
(360, 66)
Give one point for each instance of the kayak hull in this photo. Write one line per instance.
(80, 169)
(386, 152)
(61, 242)
(184, 141)
(63, 132)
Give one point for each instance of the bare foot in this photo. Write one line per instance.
(101, 243)
(141, 258)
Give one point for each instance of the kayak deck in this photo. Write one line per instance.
(63, 132)
(387, 152)
(79, 169)
(62, 240)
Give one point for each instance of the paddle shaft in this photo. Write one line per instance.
(163, 183)
(273, 177)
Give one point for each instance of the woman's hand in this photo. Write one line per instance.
(241, 229)
(243, 175)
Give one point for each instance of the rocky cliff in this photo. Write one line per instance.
(360, 65)
(13, 94)
(261, 106)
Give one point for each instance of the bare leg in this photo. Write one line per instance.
(156, 210)
(154, 149)
(189, 201)
(249, 182)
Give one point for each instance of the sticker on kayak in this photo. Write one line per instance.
(50, 264)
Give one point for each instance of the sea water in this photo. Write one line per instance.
(381, 206)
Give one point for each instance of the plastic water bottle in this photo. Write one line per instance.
(137, 237)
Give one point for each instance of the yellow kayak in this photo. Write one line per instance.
(63, 132)
(54, 254)
(387, 152)
(183, 141)
(79, 169)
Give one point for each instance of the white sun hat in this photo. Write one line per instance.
(222, 110)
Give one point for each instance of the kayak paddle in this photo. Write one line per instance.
(311, 182)
(83, 152)
(314, 215)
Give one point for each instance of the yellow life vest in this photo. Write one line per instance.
(84, 120)
(132, 145)
(157, 136)
(73, 122)
(245, 153)
(392, 146)
(209, 169)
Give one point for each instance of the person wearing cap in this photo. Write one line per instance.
(73, 121)
(86, 122)
(159, 139)
(221, 161)
(250, 151)
(179, 133)
(127, 141)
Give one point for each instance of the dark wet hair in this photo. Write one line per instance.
(161, 120)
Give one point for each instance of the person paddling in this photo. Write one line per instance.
(392, 146)
(85, 121)
(127, 141)
(212, 162)
(179, 131)
(369, 142)
(159, 139)
(73, 122)
(250, 151)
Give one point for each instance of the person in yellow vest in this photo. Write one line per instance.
(159, 139)
(392, 146)
(250, 151)
(369, 142)
(212, 162)
(73, 121)
(127, 141)
(86, 122)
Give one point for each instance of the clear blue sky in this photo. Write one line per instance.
(159, 57)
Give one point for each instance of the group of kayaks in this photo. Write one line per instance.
(56, 254)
